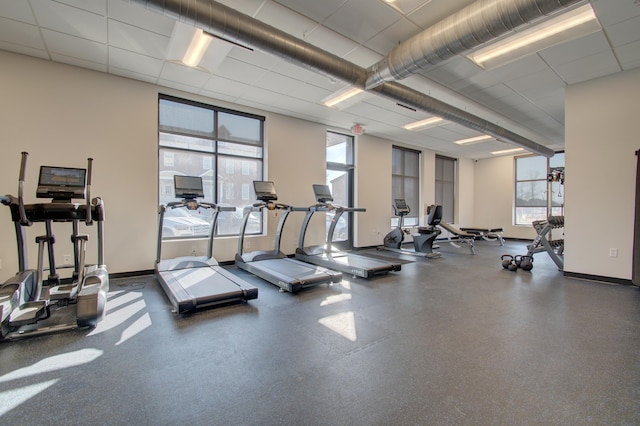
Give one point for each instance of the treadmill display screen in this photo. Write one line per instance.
(401, 204)
(61, 183)
(265, 190)
(188, 186)
(322, 193)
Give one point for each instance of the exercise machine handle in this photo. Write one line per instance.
(23, 166)
(88, 219)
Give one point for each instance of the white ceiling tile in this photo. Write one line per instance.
(18, 10)
(285, 19)
(590, 67)
(134, 39)
(24, 50)
(545, 83)
(184, 74)
(575, 49)
(316, 10)
(217, 84)
(239, 71)
(629, 55)
(610, 14)
(330, 41)
(75, 47)
(437, 10)
(140, 17)
(363, 57)
(134, 62)
(70, 20)
(132, 74)
(79, 62)
(350, 20)
(393, 35)
(624, 32)
(94, 6)
(255, 57)
(406, 6)
(20, 33)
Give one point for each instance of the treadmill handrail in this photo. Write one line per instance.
(325, 207)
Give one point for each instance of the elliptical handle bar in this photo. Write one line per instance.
(88, 219)
(23, 167)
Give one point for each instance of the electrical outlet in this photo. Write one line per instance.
(68, 259)
(613, 252)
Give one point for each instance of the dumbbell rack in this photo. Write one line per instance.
(555, 248)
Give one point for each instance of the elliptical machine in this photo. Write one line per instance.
(31, 305)
(423, 240)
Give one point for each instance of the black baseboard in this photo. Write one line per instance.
(598, 278)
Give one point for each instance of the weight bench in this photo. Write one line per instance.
(459, 236)
(488, 234)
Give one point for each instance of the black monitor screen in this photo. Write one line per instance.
(188, 186)
(401, 204)
(322, 193)
(265, 190)
(61, 182)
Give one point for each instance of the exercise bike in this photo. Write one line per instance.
(423, 241)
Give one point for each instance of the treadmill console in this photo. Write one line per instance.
(61, 183)
(188, 187)
(400, 206)
(322, 193)
(265, 190)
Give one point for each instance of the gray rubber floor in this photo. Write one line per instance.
(456, 340)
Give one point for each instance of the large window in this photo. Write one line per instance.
(539, 190)
(445, 186)
(405, 182)
(224, 148)
(340, 179)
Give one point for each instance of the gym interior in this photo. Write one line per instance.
(456, 339)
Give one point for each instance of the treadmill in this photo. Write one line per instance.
(273, 265)
(195, 282)
(325, 255)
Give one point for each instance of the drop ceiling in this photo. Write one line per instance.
(525, 96)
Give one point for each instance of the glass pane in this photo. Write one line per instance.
(557, 194)
(531, 194)
(339, 148)
(239, 149)
(531, 168)
(447, 202)
(184, 118)
(411, 164)
(186, 142)
(235, 188)
(181, 222)
(397, 159)
(232, 127)
(338, 182)
(557, 160)
(526, 215)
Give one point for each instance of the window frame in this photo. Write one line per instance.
(547, 204)
(448, 211)
(216, 156)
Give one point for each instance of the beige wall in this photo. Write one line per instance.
(601, 140)
(63, 114)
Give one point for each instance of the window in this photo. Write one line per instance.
(405, 182)
(534, 182)
(215, 144)
(339, 178)
(445, 186)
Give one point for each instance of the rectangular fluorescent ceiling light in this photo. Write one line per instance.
(574, 24)
(341, 96)
(473, 140)
(199, 44)
(427, 123)
(507, 151)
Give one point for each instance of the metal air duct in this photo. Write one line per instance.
(234, 26)
(472, 26)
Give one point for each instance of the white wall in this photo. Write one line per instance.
(601, 140)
